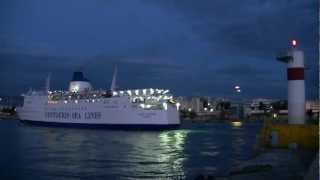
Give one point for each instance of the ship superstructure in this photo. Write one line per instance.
(83, 106)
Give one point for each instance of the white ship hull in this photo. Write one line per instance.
(111, 112)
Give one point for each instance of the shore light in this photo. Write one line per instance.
(294, 43)
(178, 105)
(275, 115)
(236, 123)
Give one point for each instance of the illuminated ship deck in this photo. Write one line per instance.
(144, 98)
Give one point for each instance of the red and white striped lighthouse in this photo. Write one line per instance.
(296, 86)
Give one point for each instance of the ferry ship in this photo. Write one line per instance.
(82, 106)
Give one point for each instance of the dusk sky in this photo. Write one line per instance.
(191, 47)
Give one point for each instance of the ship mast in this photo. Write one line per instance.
(114, 78)
(48, 83)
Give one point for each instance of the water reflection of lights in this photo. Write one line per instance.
(236, 123)
(275, 115)
(237, 142)
(173, 143)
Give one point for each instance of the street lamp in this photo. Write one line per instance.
(239, 110)
(237, 88)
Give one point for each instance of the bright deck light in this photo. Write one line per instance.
(166, 91)
(151, 91)
(165, 106)
(114, 93)
(159, 91)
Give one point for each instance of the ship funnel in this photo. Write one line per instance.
(79, 83)
(78, 76)
(114, 79)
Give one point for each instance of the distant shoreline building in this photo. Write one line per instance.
(255, 108)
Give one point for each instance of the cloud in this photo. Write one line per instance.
(253, 32)
(18, 45)
(21, 71)
(241, 69)
(257, 27)
(190, 47)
